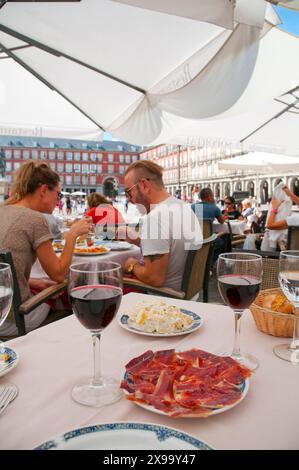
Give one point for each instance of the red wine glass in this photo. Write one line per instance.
(95, 290)
(239, 280)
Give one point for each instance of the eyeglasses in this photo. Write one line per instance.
(59, 194)
(127, 191)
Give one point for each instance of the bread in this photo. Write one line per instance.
(277, 303)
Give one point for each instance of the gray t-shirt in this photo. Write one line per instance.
(171, 227)
(22, 230)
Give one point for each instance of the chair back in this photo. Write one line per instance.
(206, 227)
(197, 268)
(293, 238)
(6, 257)
(270, 261)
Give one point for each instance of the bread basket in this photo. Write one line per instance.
(268, 321)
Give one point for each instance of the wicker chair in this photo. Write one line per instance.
(270, 267)
(293, 238)
(20, 309)
(195, 277)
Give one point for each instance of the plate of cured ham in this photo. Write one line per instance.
(187, 384)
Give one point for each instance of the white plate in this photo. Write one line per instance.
(115, 245)
(131, 436)
(244, 387)
(7, 366)
(197, 323)
(92, 254)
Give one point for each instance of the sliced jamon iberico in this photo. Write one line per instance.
(190, 383)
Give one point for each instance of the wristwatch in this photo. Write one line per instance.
(131, 267)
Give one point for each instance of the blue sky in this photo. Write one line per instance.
(290, 20)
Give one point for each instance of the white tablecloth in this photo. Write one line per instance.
(55, 357)
(113, 255)
(237, 226)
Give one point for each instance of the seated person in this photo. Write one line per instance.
(169, 228)
(25, 233)
(102, 211)
(231, 212)
(207, 209)
(247, 209)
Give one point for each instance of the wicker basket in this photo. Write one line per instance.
(268, 321)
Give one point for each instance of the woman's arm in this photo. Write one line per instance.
(291, 195)
(57, 267)
(280, 224)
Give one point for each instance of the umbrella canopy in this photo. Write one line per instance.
(78, 193)
(261, 162)
(291, 4)
(267, 112)
(96, 54)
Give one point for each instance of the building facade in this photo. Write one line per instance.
(187, 168)
(84, 166)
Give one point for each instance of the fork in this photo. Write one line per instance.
(7, 394)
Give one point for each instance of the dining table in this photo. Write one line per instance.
(117, 256)
(237, 227)
(55, 357)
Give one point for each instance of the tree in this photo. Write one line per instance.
(2, 164)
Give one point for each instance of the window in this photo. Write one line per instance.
(93, 157)
(85, 157)
(68, 179)
(60, 167)
(17, 154)
(52, 155)
(134, 158)
(100, 157)
(8, 166)
(121, 158)
(43, 154)
(60, 155)
(69, 155)
(77, 167)
(8, 153)
(92, 180)
(69, 167)
(85, 168)
(17, 165)
(26, 154)
(110, 157)
(34, 154)
(8, 178)
(128, 159)
(121, 169)
(53, 166)
(84, 179)
(100, 169)
(93, 168)
(77, 179)
(61, 179)
(110, 169)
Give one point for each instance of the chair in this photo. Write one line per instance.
(195, 277)
(293, 238)
(20, 309)
(270, 267)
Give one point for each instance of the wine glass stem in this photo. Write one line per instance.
(295, 341)
(236, 350)
(97, 375)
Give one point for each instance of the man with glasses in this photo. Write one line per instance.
(168, 229)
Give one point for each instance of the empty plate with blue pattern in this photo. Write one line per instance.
(8, 359)
(130, 436)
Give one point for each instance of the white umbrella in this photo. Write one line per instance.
(78, 193)
(134, 87)
(261, 162)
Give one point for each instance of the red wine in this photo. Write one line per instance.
(238, 291)
(95, 306)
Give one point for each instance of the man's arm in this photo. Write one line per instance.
(152, 272)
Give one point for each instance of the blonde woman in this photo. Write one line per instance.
(24, 231)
